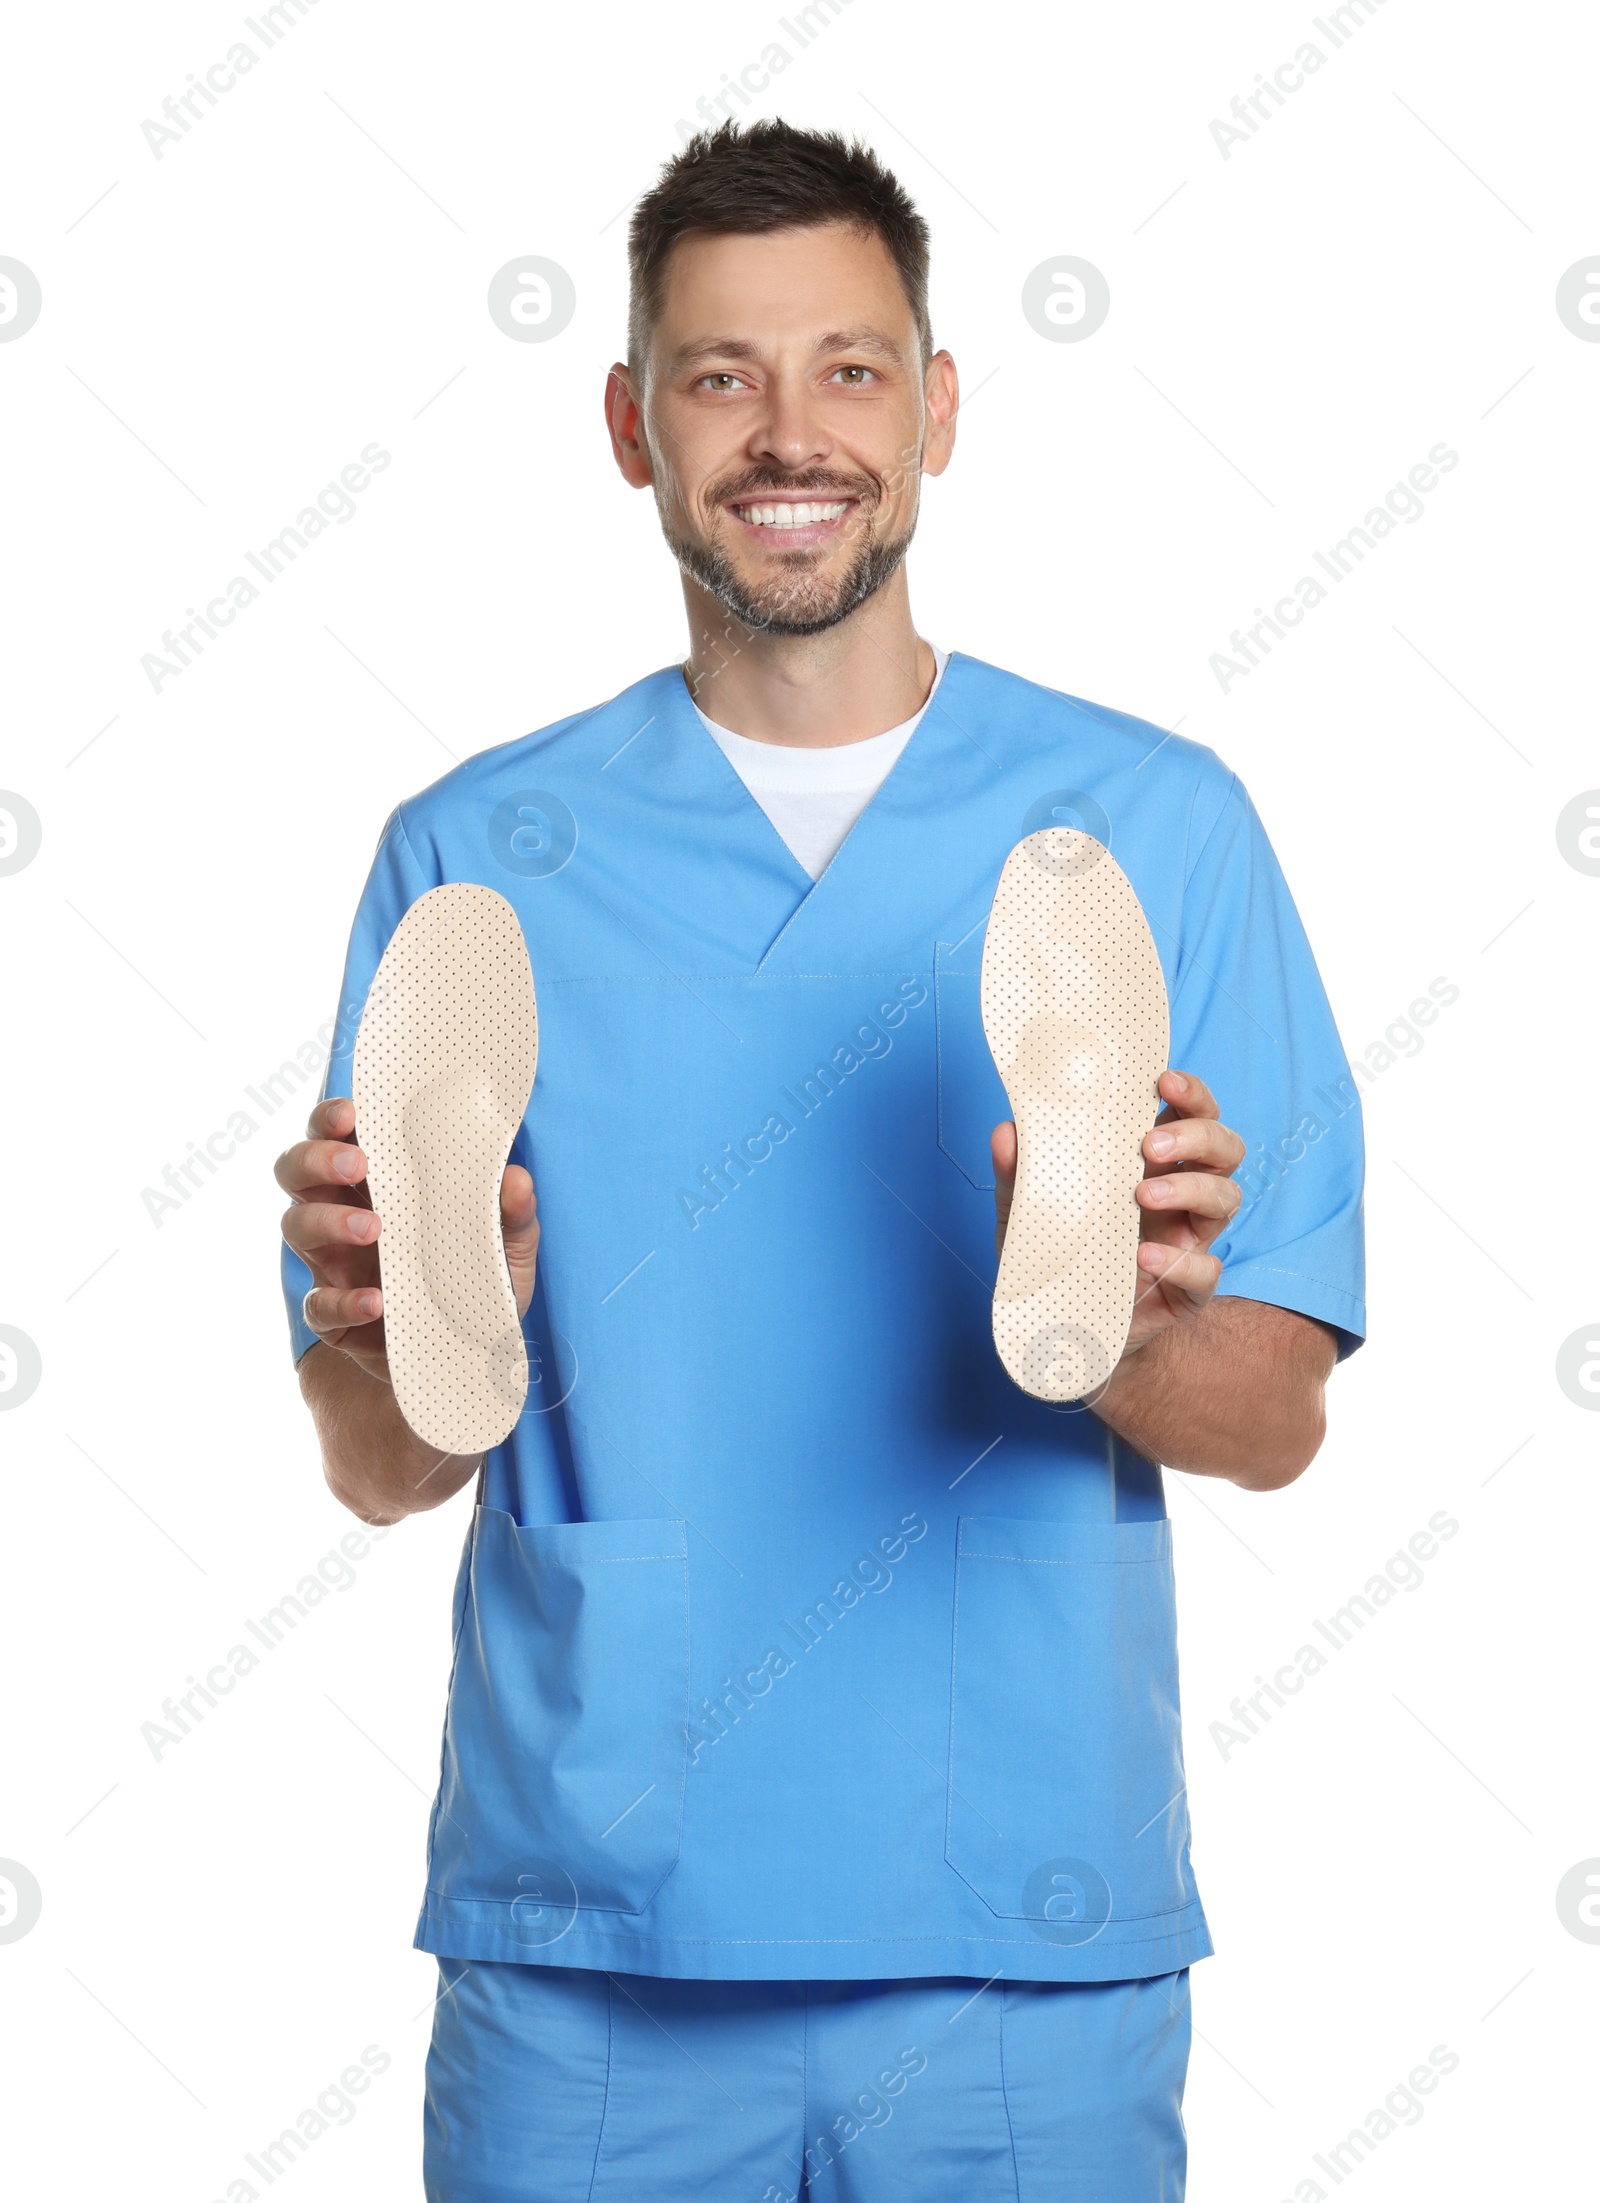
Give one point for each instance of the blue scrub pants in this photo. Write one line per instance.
(565, 2085)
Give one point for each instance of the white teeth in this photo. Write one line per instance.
(790, 516)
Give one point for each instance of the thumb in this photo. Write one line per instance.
(519, 1224)
(1003, 1150)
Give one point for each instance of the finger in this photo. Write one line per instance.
(1199, 1142)
(519, 1227)
(1197, 1194)
(1181, 1272)
(333, 1119)
(1003, 1150)
(316, 1228)
(1185, 1094)
(311, 1165)
(519, 1224)
(326, 1308)
(519, 1211)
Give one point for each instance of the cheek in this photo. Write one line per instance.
(684, 463)
(901, 485)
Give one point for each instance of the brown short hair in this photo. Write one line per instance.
(770, 176)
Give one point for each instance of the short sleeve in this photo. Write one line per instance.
(393, 885)
(1250, 1016)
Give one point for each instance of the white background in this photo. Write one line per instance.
(1372, 273)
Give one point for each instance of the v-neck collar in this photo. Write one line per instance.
(884, 869)
(888, 787)
(710, 755)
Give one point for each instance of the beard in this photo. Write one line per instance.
(799, 600)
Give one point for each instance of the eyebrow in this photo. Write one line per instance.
(863, 339)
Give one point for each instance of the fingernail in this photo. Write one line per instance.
(371, 1306)
(348, 1165)
(1179, 1081)
(363, 1225)
(1158, 1189)
(1162, 1143)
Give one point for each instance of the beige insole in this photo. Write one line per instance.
(1075, 1011)
(444, 1065)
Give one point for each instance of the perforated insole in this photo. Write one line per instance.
(1075, 1011)
(444, 1065)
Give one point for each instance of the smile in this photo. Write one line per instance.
(789, 516)
(812, 518)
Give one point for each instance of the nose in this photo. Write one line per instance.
(790, 435)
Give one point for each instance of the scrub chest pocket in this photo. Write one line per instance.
(1066, 1805)
(567, 1719)
(971, 1098)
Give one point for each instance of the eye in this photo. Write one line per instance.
(721, 379)
(855, 378)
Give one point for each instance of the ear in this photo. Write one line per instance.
(942, 397)
(625, 426)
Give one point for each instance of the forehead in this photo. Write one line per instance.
(781, 289)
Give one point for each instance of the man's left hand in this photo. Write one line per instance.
(1187, 1195)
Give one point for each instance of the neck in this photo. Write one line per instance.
(870, 673)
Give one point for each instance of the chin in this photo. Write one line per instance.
(799, 598)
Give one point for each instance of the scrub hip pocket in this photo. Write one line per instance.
(1066, 1803)
(565, 1744)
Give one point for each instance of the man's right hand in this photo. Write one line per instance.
(375, 1464)
(332, 1228)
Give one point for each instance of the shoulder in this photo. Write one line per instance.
(566, 753)
(1151, 768)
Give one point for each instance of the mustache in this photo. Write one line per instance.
(772, 482)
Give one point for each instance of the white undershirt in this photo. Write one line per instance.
(813, 797)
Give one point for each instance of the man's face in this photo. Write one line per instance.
(784, 421)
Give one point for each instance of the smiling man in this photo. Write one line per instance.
(812, 1818)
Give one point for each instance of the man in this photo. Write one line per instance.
(812, 1816)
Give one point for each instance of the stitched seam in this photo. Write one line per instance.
(983, 1186)
(1187, 1911)
(1005, 2096)
(683, 1756)
(805, 2084)
(1306, 1277)
(404, 839)
(1029, 1560)
(603, 1560)
(950, 1764)
(605, 2100)
(1233, 789)
(938, 1051)
(1184, 965)
(468, 1595)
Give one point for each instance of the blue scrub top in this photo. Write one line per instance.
(791, 1639)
